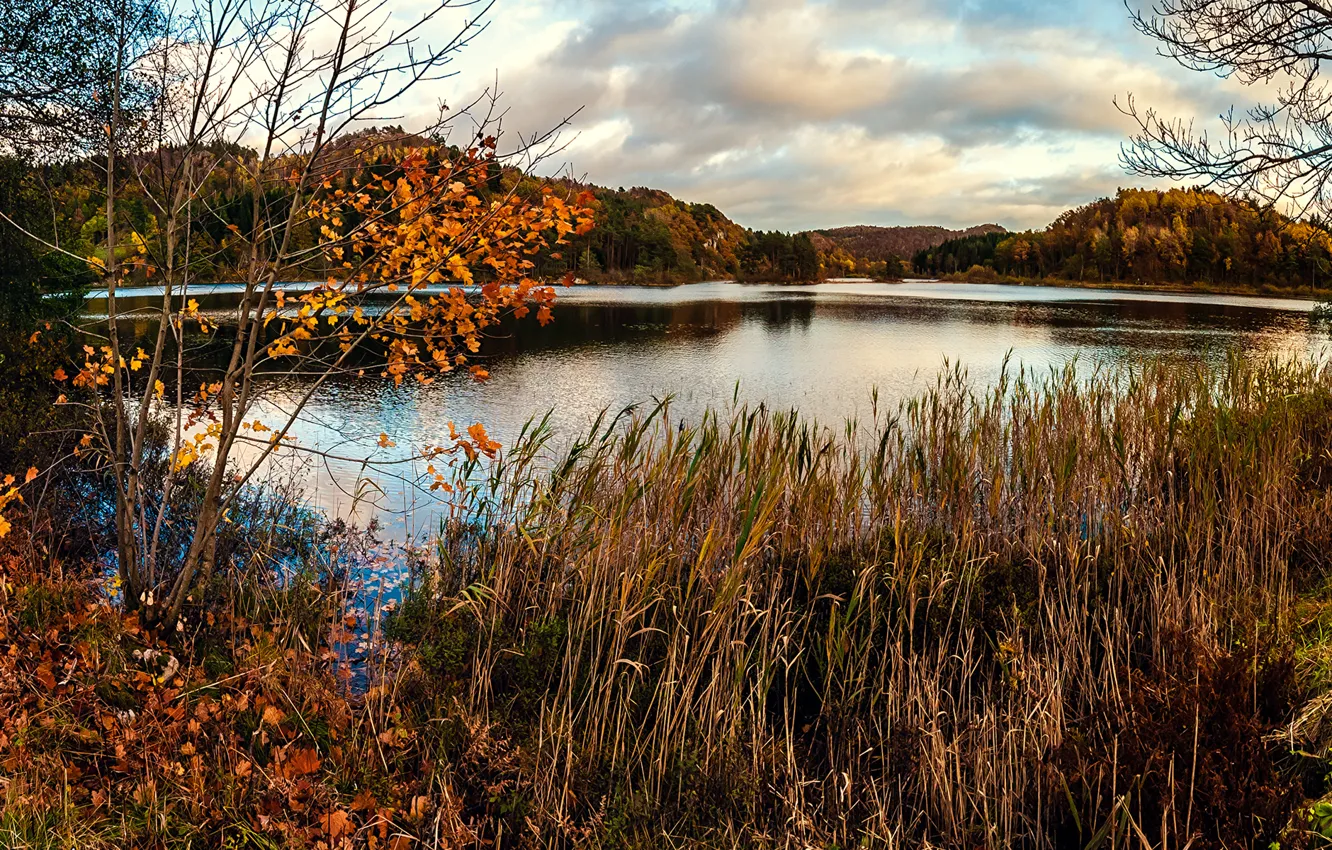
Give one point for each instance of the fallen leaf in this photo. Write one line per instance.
(420, 807)
(300, 763)
(364, 802)
(337, 824)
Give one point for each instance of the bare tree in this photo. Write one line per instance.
(1279, 152)
(58, 62)
(417, 252)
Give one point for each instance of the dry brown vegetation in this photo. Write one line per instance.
(876, 244)
(1080, 611)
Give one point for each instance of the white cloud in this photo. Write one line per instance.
(813, 113)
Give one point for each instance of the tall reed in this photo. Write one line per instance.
(1054, 611)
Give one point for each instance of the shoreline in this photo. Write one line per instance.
(1315, 296)
(1311, 295)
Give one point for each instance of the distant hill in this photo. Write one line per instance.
(1180, 236)
(646, 235)
(879, 243)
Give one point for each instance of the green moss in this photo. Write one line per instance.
(41, 606)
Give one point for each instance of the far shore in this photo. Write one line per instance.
(1199, 288)
(1304, 294)
(1315, 295)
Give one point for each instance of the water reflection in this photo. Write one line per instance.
(821, 349)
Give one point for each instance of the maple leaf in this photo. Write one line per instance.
(300, 763)
(336, 824)
(364, 802)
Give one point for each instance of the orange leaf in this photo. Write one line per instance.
(337, 824)
(32, 473)
(60, 375)
(364, 802)
(273, 716)
(301, 763)
(420, 807)
(46, 677)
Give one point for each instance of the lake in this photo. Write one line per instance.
(822, 349)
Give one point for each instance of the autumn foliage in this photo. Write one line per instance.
(1154, 237)
(423, 220)
(249, 737)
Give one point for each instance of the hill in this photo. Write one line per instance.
(1182, 236)
(643, 235)
(878, 244)
(647, 236)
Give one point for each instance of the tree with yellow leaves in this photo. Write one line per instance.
(417, 253)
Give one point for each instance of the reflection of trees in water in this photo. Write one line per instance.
(785, 312)
(1172, 316)
(582, 324)
(1178, 331)
(1124, 328)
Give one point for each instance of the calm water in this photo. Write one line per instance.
(821, 349)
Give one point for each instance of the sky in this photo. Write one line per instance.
(804, 114)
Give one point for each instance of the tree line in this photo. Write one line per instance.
(645, 235)
(1142, 235)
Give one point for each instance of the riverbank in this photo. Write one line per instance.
(1200, 288)
(746, 630)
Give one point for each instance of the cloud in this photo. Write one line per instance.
(813, 113)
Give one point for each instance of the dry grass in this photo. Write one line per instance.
(1058, 611)
(1073, 611)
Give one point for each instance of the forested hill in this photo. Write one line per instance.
(881, 243)
(1148, 236)
(646, 235)
(640, 235)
